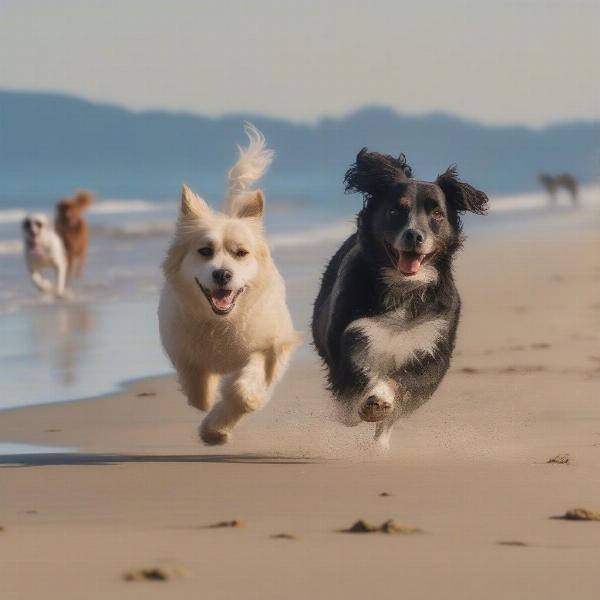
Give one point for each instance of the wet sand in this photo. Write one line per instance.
(469, 469)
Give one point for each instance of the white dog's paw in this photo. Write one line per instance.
(199, 401)
(65, 295)
(213, 437)
(250, 394)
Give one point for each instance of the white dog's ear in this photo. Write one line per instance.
(250, 205)
(192, 205)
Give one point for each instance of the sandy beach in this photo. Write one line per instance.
(470, 469)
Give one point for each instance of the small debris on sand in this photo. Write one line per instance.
(559, 459)
(541, 345)
(391, 526)
(388, 526)
(511, 543)
(154, 574)
(222, 524)
(521, 369)
(1, 529)
(144, 394)
(361, 527)
(283, 536)
(52, 430)
(31, 512)
(385, 495)
(581, 514)
(469, 370)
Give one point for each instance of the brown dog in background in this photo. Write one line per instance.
(73, 229)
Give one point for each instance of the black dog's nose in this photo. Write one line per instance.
(222, 276)
(413, 237)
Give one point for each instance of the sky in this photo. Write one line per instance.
(528, 62)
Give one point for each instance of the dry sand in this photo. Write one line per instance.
(470, 469)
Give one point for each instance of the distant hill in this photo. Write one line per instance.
(51, 144)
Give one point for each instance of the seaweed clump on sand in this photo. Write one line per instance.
(389, 526)
(581, 514)
(154, 574)
(223, 524)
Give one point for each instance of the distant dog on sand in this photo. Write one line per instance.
(222, 310)
(385, 319)
(73, 229)
(554, 183)
(44, 250)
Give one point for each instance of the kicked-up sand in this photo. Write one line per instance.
(133, 513)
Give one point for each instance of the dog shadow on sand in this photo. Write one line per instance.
(107, 459)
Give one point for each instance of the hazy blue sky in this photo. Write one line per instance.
(531, 61)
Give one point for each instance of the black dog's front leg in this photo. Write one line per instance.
(366, 393)
(419, 379)
(347, 379)
(416, 383)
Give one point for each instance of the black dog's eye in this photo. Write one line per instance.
(394, 212)
(241, 253)
(437, 214)
(206, 251)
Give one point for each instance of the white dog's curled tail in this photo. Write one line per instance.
(252, 164)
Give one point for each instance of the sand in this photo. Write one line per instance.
(470, 470)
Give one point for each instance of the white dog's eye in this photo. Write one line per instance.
(241, 253)
(207, 251)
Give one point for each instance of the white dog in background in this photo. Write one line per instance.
(222, 310)
(44, 250)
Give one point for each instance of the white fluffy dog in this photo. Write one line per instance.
(44, 250)
(222, 310)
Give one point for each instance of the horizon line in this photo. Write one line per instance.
(300, 122)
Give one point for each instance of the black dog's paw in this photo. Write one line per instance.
(374, 409)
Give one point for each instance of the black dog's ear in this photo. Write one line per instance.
(462, 196)
(373, 173)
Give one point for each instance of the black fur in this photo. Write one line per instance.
(364, 277)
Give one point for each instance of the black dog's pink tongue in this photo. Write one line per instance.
(410, 262)
(222, 298)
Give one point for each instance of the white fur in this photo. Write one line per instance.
(246, 350)
(45, 251)
(252, 164)
(388, 349)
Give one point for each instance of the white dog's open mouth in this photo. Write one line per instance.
(221, 300)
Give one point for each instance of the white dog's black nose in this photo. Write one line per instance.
(222, 276)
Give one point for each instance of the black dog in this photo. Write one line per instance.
(385, 319)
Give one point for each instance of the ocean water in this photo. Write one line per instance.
(107, 332)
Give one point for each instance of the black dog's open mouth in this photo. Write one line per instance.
(221, 300)
(408, 263)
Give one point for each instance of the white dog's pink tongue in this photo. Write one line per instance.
(222, 298)
(410, 262)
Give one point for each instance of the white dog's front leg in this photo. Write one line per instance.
(244, 392)
(43, 285)
(200, 387)
(61, 279)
